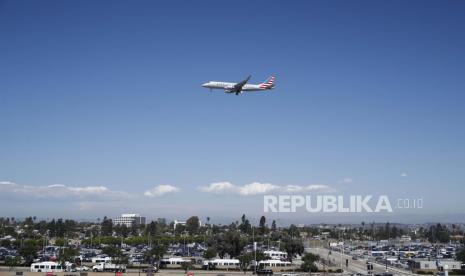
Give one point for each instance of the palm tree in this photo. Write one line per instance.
(373, 230)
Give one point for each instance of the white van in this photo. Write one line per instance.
(97, 260)
(46, 267)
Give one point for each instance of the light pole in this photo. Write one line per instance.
(254, 250)
(342, 254)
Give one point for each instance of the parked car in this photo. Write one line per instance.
(264, 272)
(82, 268)
(150, 269)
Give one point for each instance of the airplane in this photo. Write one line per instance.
(238, 88)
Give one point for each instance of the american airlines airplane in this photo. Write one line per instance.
(238, 88)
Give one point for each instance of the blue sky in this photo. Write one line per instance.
(107, 94)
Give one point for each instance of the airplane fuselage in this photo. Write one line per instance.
(239, 87)
(230, 85)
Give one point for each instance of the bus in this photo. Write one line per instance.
(173, 262)
(46, 267)
(222, 264)
(276, 265)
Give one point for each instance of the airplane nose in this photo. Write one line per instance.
(205, 85)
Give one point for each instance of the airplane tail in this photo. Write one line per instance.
(268, 84)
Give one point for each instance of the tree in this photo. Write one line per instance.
(309, 260)
(157, 252)
(5, 243)
(293, 231)
(124, 231)
(229, 243)
(28, 221)
(210, 253)
(115, 253)
(394, 232)
(151, 228)
(193, 224)
(12, 262)
(245, 226)
(60, 242)
(186, 266)
(134, 230)
(51, 227)
(273, 226)
(293, 247)
(461, 255)
(28, 251)
(262, 225)
(246, 260)
(438, 233)
(107, 227)
(67, 255)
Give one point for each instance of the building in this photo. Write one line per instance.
(129, 220)
(434, 266)
(182, 223)
(177, 222)
(405, 238)
(275, 255)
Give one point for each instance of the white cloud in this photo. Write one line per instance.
(161, 190)
(89, 189)
(345, 180)
(403, 174)
(256, 188)
(317, 188)
(294, 189)
(58, 191)
(219, 188)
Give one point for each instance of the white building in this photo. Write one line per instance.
(275, 255)
(129, 220)
(183, 223)
(405, 238)
(433, 266)
(177, 222)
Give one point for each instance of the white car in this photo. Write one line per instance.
(82, 268)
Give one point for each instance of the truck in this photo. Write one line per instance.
(102, 267)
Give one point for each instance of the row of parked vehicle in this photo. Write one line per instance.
(57, 267)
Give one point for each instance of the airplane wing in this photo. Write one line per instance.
(238, 86)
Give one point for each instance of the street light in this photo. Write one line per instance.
(342, 254)
(254, 250)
